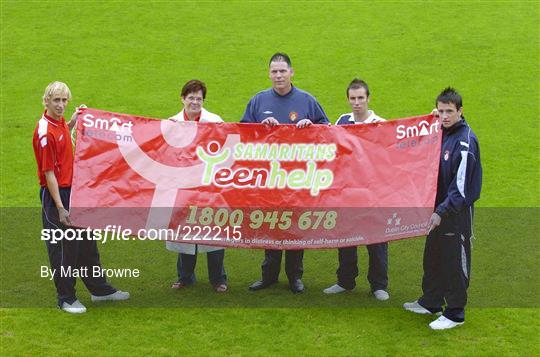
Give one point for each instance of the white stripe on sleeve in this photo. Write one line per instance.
(461, 174)
(42, 127)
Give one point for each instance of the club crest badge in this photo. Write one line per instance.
(446, 155)
(293, 116)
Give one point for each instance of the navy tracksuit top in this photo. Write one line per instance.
(460, 171)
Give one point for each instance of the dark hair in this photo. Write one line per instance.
(280, 57)
(357, 84)
(193, 86)
(450, 95)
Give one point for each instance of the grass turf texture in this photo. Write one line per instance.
(133, 58)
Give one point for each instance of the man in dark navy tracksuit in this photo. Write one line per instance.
(447, 253)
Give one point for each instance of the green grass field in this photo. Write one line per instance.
(133, 57)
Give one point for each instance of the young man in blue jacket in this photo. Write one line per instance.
(447, 253)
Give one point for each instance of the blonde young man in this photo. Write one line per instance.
(358, 96)
(193, 95)
(54, 156)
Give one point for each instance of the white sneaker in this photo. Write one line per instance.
(416, 308)
(442, 323)
(334, 289)
(118, 295)
(381, 295)
(75, 308)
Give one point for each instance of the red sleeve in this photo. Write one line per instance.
(46, 153)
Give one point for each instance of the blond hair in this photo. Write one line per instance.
(56, 88)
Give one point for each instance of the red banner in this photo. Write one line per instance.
(251, 186)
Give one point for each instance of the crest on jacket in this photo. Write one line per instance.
(293, 116)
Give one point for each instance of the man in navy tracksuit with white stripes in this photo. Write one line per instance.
(447, 253)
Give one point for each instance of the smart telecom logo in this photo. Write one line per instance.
(413, 135)
(422, 129)
(111, 129)
(395, 226)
